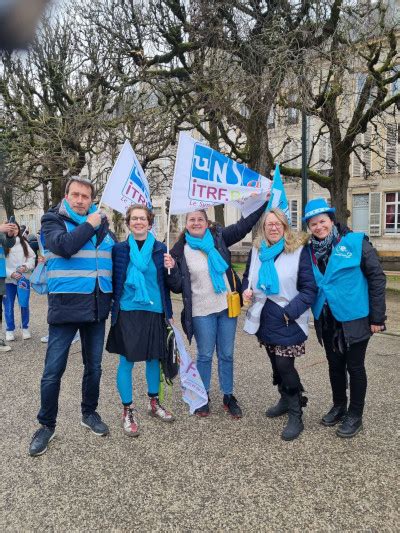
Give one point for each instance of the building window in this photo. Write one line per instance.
(292, 116)
(271, 119)
(158, 223)
(391, 148)
(294, 214)
(181, 223)
(392, 212)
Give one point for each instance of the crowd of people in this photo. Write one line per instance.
(330, 270)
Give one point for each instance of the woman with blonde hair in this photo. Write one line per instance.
(280, 284)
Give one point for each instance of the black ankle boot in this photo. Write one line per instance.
(352, 424)
(295, 423)
(280, 408)
(335, 415)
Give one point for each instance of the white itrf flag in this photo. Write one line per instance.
(204, 178)
(127, 183)
(193, 391)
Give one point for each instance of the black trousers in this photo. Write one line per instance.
(352, 360)
(284, 372)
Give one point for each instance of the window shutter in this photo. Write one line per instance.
(294, 214)
(375, 226)
(356, 161)
(367, 151)
(391, 145)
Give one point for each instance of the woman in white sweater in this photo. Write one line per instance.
(20, 261)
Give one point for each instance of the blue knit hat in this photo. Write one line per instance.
(316, 207)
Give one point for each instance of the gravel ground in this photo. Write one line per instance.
(212, 474)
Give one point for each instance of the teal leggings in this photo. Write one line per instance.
(124, 378)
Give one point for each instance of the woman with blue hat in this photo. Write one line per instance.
(349, 308)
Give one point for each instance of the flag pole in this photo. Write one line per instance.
(168, 231)
(101, 198)
(251, 273)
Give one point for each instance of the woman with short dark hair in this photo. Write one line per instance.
(140, 309)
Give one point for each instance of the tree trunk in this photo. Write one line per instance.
(118, 223)
(8, 201)
(57, 190)
(219, 211)
(46, 199)
(338, 188)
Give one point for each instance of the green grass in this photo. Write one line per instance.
(239, 267)
(391, 277)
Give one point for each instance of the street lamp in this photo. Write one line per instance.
(304, 157)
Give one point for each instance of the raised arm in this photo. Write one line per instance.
(236, 232)
(62, 242)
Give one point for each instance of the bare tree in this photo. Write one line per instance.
(53, 108)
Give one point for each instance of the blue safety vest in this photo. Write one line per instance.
(3, 272)
(343, 285)
(79, 273)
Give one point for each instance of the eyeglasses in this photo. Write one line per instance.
(276, 225)
(138, 219)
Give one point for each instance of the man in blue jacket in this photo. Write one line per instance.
(78, 249)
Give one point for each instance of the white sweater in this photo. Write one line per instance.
(16, 258)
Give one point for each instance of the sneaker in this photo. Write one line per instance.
(40, 440)
(4, 347)
(156, 410)
(130, 423)
(44, 339)
(26, 334)
(76, 338)
(351, 425)
(203, 411)
(94, 422)
(10, 336)
(231, 406)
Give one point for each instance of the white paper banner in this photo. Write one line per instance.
(204, 177)
(193, 391)
(127, 183)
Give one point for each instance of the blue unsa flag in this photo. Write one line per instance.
(278, 196)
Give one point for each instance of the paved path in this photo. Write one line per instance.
(214, 474)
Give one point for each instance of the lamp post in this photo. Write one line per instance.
(304, 157)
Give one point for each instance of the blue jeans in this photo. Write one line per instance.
(124, 378)
(215, 331)
(60, 338)
(8, 302)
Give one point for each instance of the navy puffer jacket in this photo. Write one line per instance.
(273, 327)
(120, 256)
(73, 308)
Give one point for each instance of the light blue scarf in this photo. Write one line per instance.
(216, 263)
(81, 219)
(139, 260)
(268, 280)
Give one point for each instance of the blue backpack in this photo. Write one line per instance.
(38, 279)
